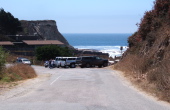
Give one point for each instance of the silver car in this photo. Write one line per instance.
(24, 61)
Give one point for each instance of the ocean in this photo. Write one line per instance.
(106, 43)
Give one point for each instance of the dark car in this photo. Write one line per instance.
(89, 61)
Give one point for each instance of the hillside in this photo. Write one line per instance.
(47, 29)
(147, 59)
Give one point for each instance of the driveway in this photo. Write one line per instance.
(77, 89)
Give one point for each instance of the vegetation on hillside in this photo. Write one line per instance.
(3, 56)
(148, 56)
(16, 72)
(5, 38)
(9, 25)
(52, 51)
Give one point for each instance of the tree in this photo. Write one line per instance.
(5, 38)
(52, 51)
(9, 24)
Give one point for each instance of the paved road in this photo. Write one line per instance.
(77, 89)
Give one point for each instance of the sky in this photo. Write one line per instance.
(82, 16)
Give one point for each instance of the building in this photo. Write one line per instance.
(26, 45)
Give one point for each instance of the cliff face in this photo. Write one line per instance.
(46, 29)
(148, 56)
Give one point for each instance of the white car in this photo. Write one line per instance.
(68, 62)
(58, 61)
(24, 61)
(65, 62)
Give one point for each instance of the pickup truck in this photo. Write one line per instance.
(89, 61)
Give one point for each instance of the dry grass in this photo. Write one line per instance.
(12, 59)
(18, 72)
(153, 79)
(146, 62)
(13, 75)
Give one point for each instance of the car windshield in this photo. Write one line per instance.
(98, 58)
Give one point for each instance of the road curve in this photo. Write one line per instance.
(76, 89)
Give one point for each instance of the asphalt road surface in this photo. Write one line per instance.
(77, 89)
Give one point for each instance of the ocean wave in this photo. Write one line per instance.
(111, 50)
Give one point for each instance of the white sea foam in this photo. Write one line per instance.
(111, 50)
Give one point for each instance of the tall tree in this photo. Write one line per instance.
(8, 23)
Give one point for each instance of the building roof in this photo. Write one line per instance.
(42, 42)
(6, 43)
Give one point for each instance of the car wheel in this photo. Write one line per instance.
(92, 65)
(82, 66)
(72, 65)
(105, 64)
(99, 66)
(87, 65)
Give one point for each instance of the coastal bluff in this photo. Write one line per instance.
(148, 56)
(46, 29)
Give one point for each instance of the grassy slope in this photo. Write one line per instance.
(147, 59)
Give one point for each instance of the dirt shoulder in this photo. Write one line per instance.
(13, 89)
(127, 80)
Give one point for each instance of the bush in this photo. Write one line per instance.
(3, 56)
(161, 7)
(52, 51)
(5, 38)
(146, 24)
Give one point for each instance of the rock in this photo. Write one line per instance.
(46, 29)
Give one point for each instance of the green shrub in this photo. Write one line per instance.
(3, 56)
(51, 51)
(6, 79)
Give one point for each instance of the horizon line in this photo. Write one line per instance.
(96, 33)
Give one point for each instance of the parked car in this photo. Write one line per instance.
(62, 62)
(23, 60)
(69, 62)
(57, 61)
(89, 61)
